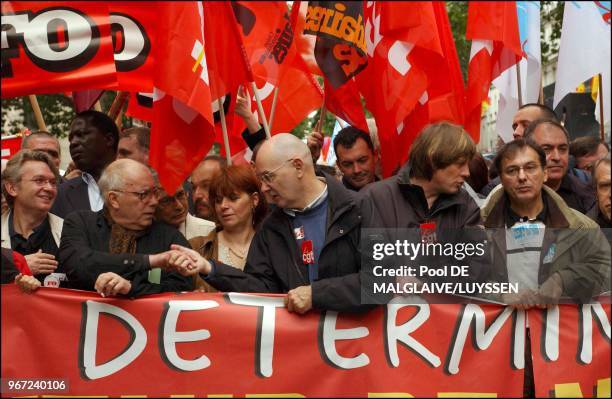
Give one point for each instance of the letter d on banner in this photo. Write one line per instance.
(89, 340)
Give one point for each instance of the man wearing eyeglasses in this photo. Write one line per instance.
(29, 183)
(549, 249)
(540, 245)
(173, 210)
(308, 247)
(120, 249)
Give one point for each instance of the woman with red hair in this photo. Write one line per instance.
(239, 207)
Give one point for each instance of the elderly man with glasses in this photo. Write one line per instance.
(120, 249)
(308, 247)
(29, 183)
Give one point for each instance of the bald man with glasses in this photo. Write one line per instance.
(121, 250)
(308, 247)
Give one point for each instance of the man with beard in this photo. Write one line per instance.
(201, 177)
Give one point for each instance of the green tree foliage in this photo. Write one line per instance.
(457, 16)
(56, 109)
(551, 12)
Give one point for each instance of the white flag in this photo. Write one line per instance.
(584, 50)
(529, 30)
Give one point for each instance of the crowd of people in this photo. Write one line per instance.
(284, 225)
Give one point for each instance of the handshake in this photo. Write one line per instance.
(182, 260)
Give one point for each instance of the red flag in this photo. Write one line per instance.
(266, 32)
(268, 38)
(340, 52)
(85, 99)
(140, 106)
(50, 47)
(183, 127)
(413, 76)
(493, 29)
(227, 61)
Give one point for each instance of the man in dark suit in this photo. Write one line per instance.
(93, 145)
(120, 249)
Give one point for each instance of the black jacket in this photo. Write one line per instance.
(395, 203)
(84, 254)
(71, 196)
(274, 263)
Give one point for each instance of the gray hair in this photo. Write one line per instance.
(113, 177)
(12, 172)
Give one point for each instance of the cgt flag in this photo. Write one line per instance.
(413, 76)
(183, 126)
(268, 38)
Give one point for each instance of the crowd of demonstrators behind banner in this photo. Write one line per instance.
(127, 229)
(313, 213)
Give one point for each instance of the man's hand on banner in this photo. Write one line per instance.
(27, 284)
(524, 299)
(299, 300)
(550, 291)
(111, 284)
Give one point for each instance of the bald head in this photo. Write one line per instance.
(286, 169)
(283, 146)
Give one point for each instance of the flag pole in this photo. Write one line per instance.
(518, 83)
(118, 103)
(37, 112)
(260, 110)
(601, 108)
(224, 129)
(319, 127)
(273, 108)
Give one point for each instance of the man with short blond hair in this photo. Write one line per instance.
(134, 144)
